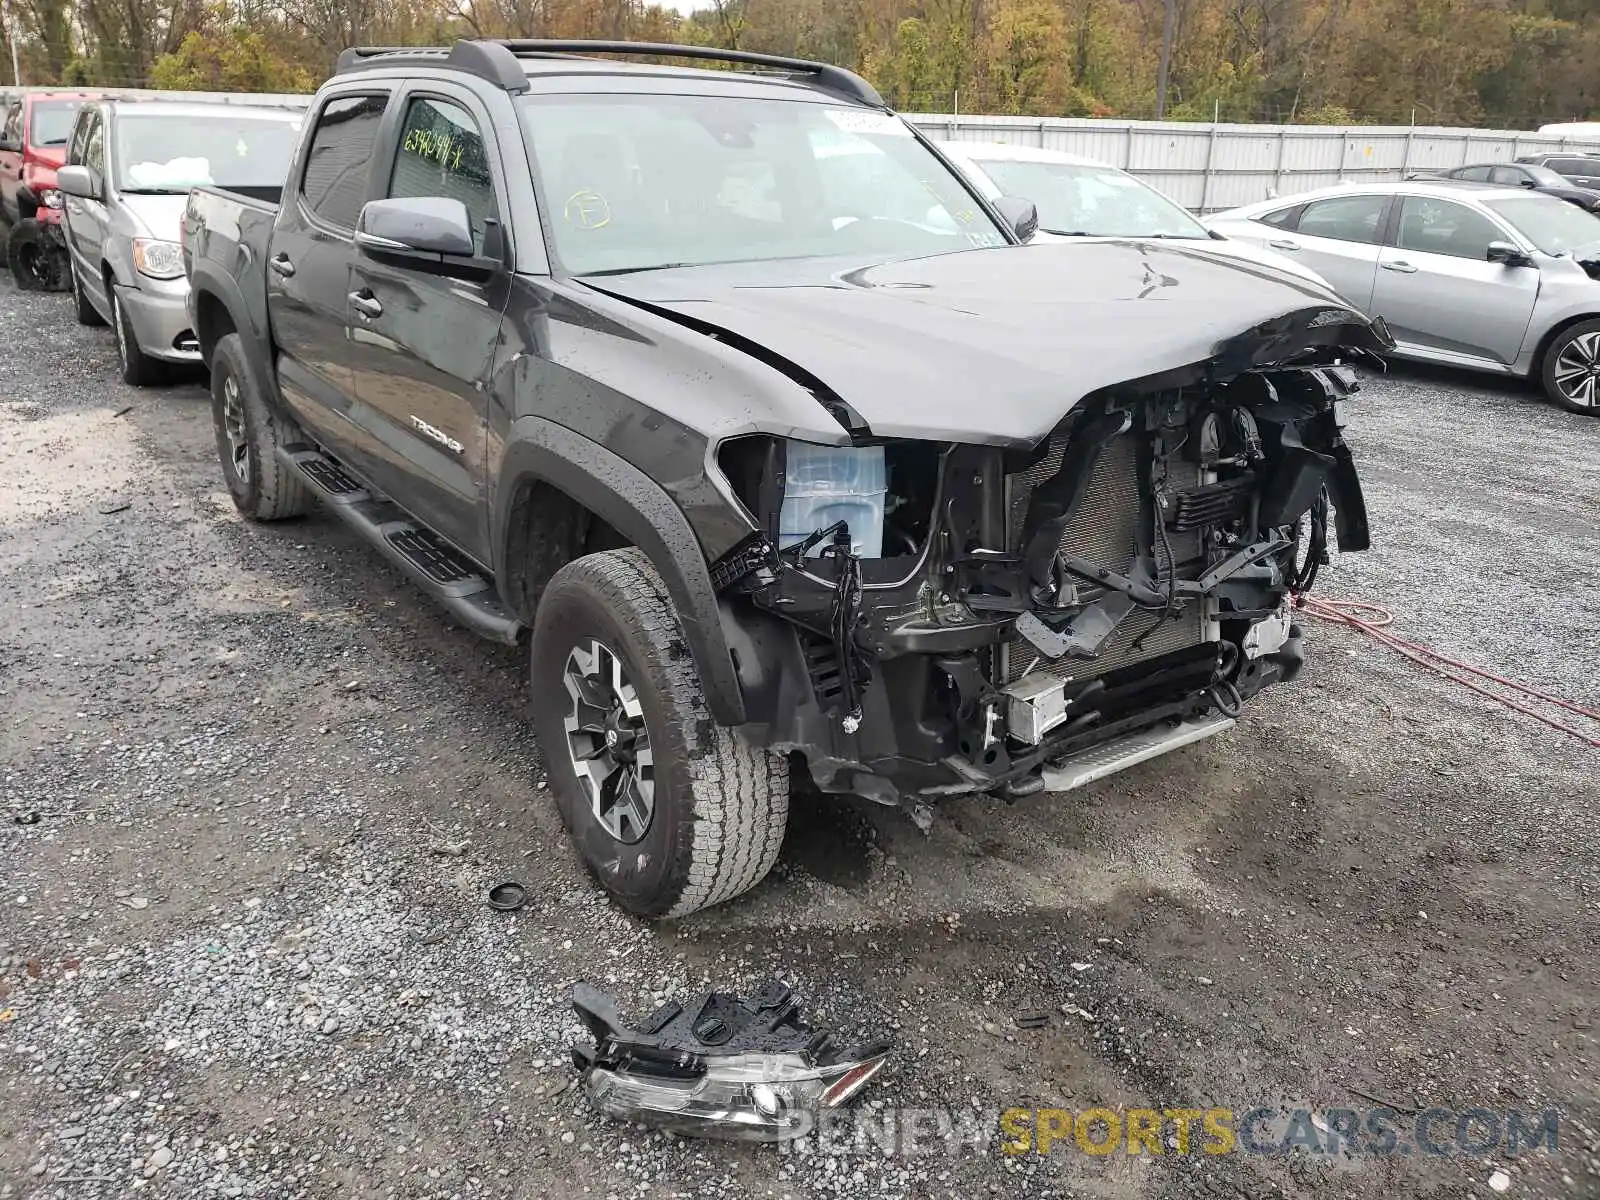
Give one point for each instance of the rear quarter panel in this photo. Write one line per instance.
(227, 239)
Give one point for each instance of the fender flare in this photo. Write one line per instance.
(640, 510)
(205, 279)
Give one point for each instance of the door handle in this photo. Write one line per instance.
(281, 264)
(365, 303)
(1284, 244)
(1403, 268)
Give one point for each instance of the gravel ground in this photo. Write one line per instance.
(243, 950)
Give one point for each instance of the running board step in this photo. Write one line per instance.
(1077, 770)
(435, 566)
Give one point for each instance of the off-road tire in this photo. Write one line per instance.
(1552, 388)
(268, 489)
(137, 367)
(82, 309)
(721, 804)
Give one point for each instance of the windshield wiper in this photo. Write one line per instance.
(151, 191)
(1069, 232)
(666, 266)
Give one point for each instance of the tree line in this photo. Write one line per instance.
(1512, 64)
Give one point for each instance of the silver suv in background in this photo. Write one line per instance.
(1469, 275)
(130, 165)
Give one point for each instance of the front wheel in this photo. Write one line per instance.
(35, 264)
(1571, 372)
(138, 368)
(671, 812)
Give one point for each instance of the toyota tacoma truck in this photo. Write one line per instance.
(771, 436)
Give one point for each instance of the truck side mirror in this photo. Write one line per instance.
(1020, 214)
(419, 224)
(79, 181)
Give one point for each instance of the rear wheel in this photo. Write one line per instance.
(248, 437)
(671, 812)
(1572, 369)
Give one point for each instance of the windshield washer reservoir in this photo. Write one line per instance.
(826, 484)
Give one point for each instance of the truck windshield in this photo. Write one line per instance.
(51, 124)
(635, 182)
(1091, 200)
(161, 152)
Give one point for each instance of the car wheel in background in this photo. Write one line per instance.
(1572, 369)
(35, 265)
(138, 368)
(248, 437)
(85, 311)
(670, 811)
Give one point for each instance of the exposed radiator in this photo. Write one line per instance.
(1105, 530)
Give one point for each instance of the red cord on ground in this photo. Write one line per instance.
(1373, 620)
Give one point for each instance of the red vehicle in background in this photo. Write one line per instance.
(33, 143)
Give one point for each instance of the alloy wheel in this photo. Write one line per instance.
(233, 428)
(1577, 371)
(608, 742)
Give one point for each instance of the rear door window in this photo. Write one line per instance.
(1283, 218)
(1476, 174)
(334, 184)
(1344, 218)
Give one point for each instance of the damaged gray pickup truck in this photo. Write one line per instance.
(774, 434)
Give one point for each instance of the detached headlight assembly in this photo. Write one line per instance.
(51, 197)
(158, 260)
(721, 1067)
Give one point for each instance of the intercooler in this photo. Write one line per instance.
(1105, 530)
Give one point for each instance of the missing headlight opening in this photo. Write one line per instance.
(976, 619)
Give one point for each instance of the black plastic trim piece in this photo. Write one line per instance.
(496, 60)
(639, 509)
(470, 598)
(827, 76)
(486, 59)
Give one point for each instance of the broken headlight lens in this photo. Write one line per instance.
(720, 1067)
(742, 1097)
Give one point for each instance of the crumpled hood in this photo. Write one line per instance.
(996, 345)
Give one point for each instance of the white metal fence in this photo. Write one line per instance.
(1212, 167)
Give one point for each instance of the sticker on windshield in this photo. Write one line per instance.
(855, 120)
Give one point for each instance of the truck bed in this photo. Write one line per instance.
(226, 234)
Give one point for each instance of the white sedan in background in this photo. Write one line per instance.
(1081, 198)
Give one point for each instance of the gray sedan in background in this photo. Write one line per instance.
(130, 165)
(1463, 274)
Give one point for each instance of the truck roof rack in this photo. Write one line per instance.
(499, 61)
